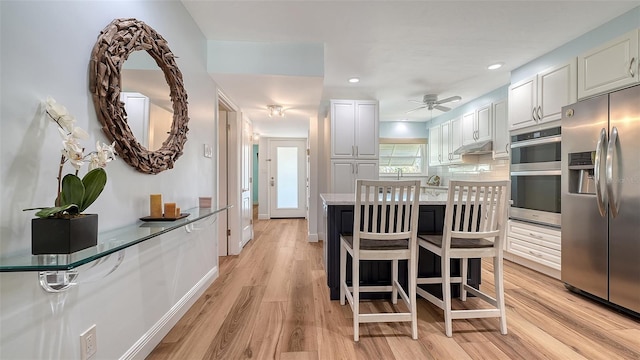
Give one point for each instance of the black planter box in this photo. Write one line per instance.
(63, 236)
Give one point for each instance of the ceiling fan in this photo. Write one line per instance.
(430, 101)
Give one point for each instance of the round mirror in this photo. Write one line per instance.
(143, 145)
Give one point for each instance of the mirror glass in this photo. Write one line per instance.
(145, 94)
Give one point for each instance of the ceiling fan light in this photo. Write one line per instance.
(354, 80)
(495, 66)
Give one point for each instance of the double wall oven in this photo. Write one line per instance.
(535, 176)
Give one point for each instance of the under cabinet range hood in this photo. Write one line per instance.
(481, 147)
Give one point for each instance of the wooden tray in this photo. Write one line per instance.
(149, 218)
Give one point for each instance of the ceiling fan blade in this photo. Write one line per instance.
(416, 101)
(442, 108)
(418, 108)
(449, 99)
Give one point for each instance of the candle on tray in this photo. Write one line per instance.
(178, 212)
(155, 207)
(170, 210)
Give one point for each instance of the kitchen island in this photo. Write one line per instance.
(338, 211)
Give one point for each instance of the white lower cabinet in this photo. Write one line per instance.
(534, 246)
(344, 174)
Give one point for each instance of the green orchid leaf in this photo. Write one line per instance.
(72, 191)
(46, 212)
(94, 183)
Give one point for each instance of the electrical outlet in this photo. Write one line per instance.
(88, 343)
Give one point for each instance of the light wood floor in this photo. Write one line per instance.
(272, 302)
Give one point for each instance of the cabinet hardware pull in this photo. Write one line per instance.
(539, 112)
(506, 148)
(356, 150)
(535, 254)
(633, 59)
(533, 114)
(536, 236)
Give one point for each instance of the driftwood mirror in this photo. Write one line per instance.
(113, 47)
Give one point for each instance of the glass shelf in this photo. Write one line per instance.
(108, 243)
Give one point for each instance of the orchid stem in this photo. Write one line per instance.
(60, 180)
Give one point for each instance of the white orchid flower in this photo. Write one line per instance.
(79, 133)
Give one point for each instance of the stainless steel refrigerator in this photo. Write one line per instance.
(601, 197)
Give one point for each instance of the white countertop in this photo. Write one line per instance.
(349, 199)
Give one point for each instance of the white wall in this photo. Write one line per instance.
(44, 50)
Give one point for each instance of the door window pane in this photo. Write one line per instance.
(287, 175)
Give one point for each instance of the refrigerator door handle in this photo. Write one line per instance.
(613, 205)
(597, 165)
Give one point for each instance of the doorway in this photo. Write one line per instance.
(287, 178)
(234, 143)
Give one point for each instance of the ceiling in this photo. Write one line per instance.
(401, 50)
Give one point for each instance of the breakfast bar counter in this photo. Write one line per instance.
(338, 211)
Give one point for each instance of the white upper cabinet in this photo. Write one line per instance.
(477, 125)
(434, 146)
(444, 139)
(540, 98)
(501, 139)
(354, 129)
(610, 66)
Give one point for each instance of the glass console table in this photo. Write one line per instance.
(58, 272)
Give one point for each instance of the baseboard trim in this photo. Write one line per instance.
(143, 347)
(312, 237)
(532, 265)
(263, 217)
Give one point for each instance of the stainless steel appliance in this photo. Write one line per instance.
(601, 197)
(535, 176)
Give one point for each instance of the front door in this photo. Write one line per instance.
(287, 178)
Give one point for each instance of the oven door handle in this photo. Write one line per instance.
(601, 196)
(536, 172)
(547, 140)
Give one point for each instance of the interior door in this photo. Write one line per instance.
(223, 246)
(287, 178)
(246, 202)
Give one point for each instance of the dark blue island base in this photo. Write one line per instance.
(430, 219)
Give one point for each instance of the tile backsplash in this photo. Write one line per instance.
(481, 167)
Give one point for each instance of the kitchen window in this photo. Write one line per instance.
(402, 156)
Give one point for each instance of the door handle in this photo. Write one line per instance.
(597, 164)
(613, 203)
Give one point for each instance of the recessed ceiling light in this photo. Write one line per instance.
(495, 66)
(354, 80)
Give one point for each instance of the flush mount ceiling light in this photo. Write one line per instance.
(275, 110)
(495, 66)
(354, 80)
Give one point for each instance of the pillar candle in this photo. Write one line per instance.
(170, 210)
(155, 207)
(178, 212)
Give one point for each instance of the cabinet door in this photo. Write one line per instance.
(434, 146)
(343, 128)
(501, 140)
(367, 170)
(455, 139)
(483, 123)
(522, 103)
(445, 137)
(609, 66)
(556, 88)
(342, 176)
(366, 143)
(468, 128)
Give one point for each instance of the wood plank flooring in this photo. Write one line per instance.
(272, 302)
